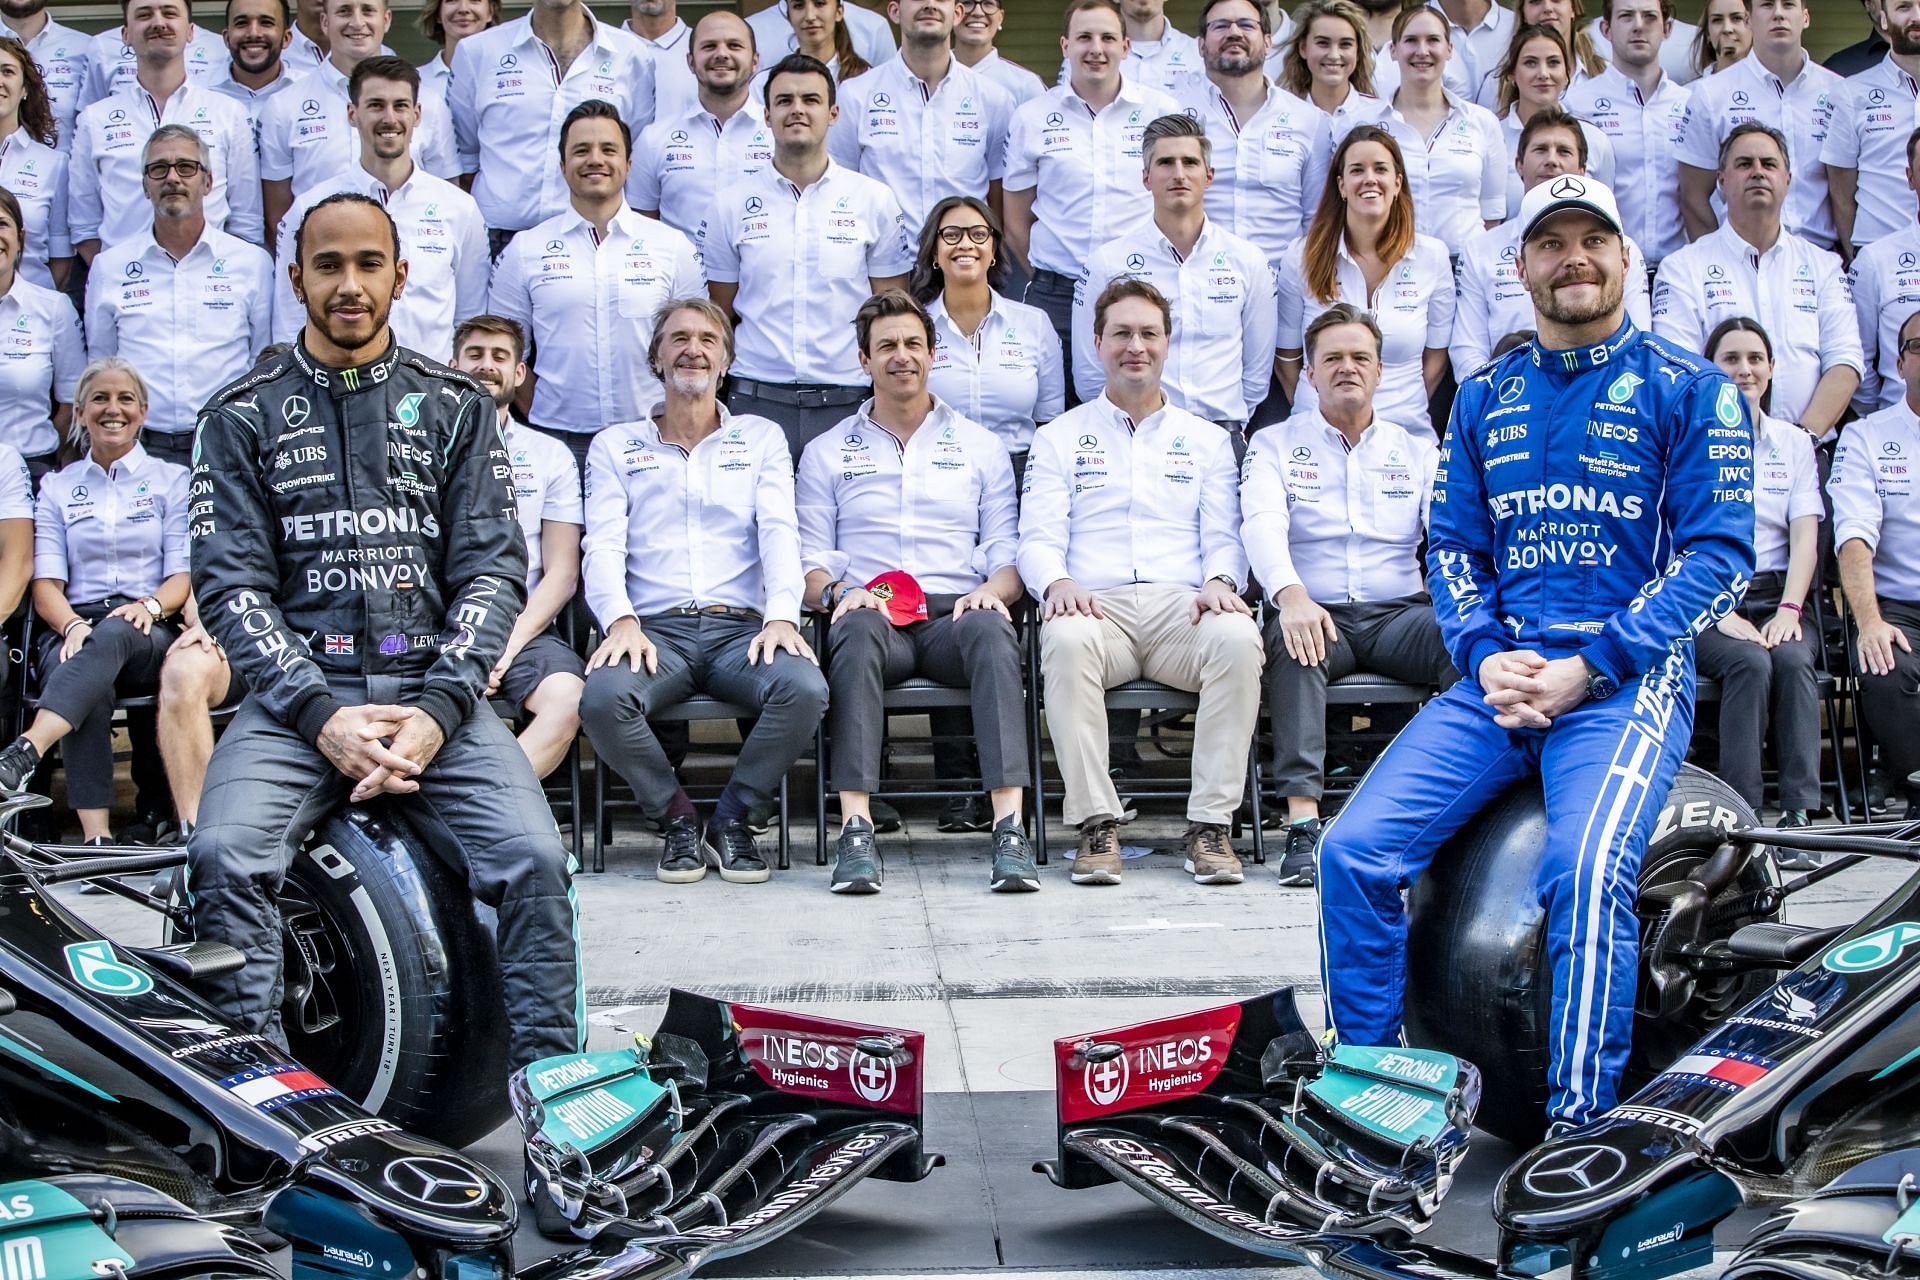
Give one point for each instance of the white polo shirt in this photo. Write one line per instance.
(925, 142)
(1645, 137)
(1885, 283)
(111, 531)
(1491, 302)
(588, 305)
(189, 327)
(668, 528)
(1458, 175)
(1414, 309)
(1343, 522)
(111, 62)
(253, 101)
(1358, 108)
(1021, 84)
(36, 174)
(674, 88)
(1786, 487)
(1599, 158)
(1008, 376)
(680, 162)
(1796, 291)
(16, 485)
(443, 239)
(1874, 113)
(1220, 350)
(510, 98)
(871, 33)
(803, 261)
(1110, 502)
(305, 137)
(546, 486)
(1802, 111)
(105, 200)
(1482, 47)
(303, 55)
(1268, 170)
(1676, 51)
(939, 504)
(61, 53)
(1871, 487)
(1083, 167)
(41, 356)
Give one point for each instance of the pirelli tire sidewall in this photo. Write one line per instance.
(414, 977)
(1477, 982)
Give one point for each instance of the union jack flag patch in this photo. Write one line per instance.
(339, 644)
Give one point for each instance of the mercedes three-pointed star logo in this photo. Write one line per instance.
(432, 1181)
(1575, 1171)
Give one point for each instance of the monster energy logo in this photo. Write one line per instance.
(351, 377)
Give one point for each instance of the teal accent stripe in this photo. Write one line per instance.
(10, 1045)
(1897, 1063)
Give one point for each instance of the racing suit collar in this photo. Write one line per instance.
(345, 382)
(1574, 360)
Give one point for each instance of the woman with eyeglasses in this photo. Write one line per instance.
(995, 360)
(1362, 249)
(41, 362)
(32, 168)
(1763, 653)
(1455, 159)
(980, 23)
(110, 574)
(1328, 62)
(1725, 36)
(1535, 76)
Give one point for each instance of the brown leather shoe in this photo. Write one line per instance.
(1098, 859)
(1210, 859)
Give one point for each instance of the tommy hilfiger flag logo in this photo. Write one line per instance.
(339, 644)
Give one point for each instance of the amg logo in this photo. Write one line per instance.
(593, 1113)
(22, 1259)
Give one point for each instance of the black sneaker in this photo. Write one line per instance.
(856, 860)
(885, 816)
(146, 828)
(1013, 866)
(966, 813)
(1297, 867)
(683, 853)
(736, 855)
(18, 760)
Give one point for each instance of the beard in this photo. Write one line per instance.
(692, 383)
(22, 8)
(1239, 62)
(1547, 302)
(1903, 41)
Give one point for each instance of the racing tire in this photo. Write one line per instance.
(1477, 985)
(393, 991)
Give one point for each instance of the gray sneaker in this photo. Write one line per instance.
(1297, 867)
(1014, 870)
(857, 867)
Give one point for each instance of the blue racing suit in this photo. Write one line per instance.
(1595, 501)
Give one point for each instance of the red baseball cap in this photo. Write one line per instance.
(906, 602)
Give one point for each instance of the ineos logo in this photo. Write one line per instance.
(432, 1181)
(1575, 1172)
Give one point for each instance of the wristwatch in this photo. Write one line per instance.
(153, 608)
(1600, 685)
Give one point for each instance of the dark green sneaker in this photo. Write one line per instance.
(1298, 867)
(856, 860)
(1013, 866)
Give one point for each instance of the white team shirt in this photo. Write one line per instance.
(1083, 167)
(926, 143)
(680, 162)
(1458, 175)
(111, 531)
(16, 485)
(588, 305)
(510, 98)
(36, 174)
(1885, 283)
(1358, 109)
(1802, 111)
(1481, 49)
(939, 504)
(105, 200)
(1268, 171)
(1344, 523)
(189, 327)
(111, 62)
(1871, 487)
(61, 53)
(1873, 114)
(668, 528)
(1599, 157)
(803, 261)
(305, 137)
(443, 239)
(1796, 291)
(1008, 377)
(871, 33)
(546, 486)
(1020, 83)
(1645, 136)
(1786, 487)
(1676, 51)
(674, 88)
(1491, 303)
(302, 55)
(1110, 501)
(1414, 309)
(1220, 350)
(253, 101)
(41, 355)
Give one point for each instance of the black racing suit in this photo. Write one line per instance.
(355, 541)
